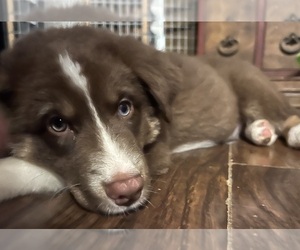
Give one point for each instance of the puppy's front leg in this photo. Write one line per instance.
(159, 158)
(18, 177)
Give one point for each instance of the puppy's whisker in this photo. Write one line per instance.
(149, 202)
(151, 190)
(66, 188)
(100, 204)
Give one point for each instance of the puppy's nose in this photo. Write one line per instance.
(124, 189)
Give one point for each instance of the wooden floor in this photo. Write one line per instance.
(237, 186)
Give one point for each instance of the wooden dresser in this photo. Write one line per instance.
(265, 32)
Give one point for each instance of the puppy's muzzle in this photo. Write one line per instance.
(124, 190)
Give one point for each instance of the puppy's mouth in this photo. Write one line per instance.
(120, 198)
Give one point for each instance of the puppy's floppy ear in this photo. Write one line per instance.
(160, 76)
(5, 94)
(5, 89)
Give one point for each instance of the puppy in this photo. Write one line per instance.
(99, 114)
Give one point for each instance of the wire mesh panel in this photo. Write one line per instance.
(179, 30)
(15, 9)
(132, 16)
(125, 9)
(163, 24)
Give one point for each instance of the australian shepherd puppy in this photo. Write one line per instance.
(99, 114)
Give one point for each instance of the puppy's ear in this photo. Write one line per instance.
(5, 89)
(156, 70)
(5, 94)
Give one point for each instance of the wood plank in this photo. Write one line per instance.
(265, 197)
(277, 155)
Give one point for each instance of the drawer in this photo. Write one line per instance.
(230, 39)
(282, 43)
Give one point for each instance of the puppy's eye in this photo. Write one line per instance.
(125, 108)
(57, 124)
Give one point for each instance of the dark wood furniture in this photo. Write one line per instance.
(265, 32)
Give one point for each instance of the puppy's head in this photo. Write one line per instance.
(85, 103)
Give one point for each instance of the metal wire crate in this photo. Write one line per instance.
(163, 24)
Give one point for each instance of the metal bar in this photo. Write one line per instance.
(10, 22)
(145, 21)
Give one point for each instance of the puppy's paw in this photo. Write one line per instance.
(261, 132)
(293, 137)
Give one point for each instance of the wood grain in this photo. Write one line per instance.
(265, 197)
(277, 155)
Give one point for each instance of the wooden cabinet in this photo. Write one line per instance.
(265, 32)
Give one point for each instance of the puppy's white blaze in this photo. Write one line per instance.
(193, 145)
(18, 177)
(73, 70)
(115, 159)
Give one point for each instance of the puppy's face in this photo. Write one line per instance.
(81, 109)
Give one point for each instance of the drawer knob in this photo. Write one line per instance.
(290, 45)
(228, 47)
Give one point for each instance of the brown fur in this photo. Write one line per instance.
(225, 92)
(177, 99)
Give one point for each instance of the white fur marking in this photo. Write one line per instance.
(193, 145)
(73, 70)
(293, 138)
(115, 159)
(18, 177)
(235, 134)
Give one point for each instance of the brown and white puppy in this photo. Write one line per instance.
(98, 114)
(88, 106)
